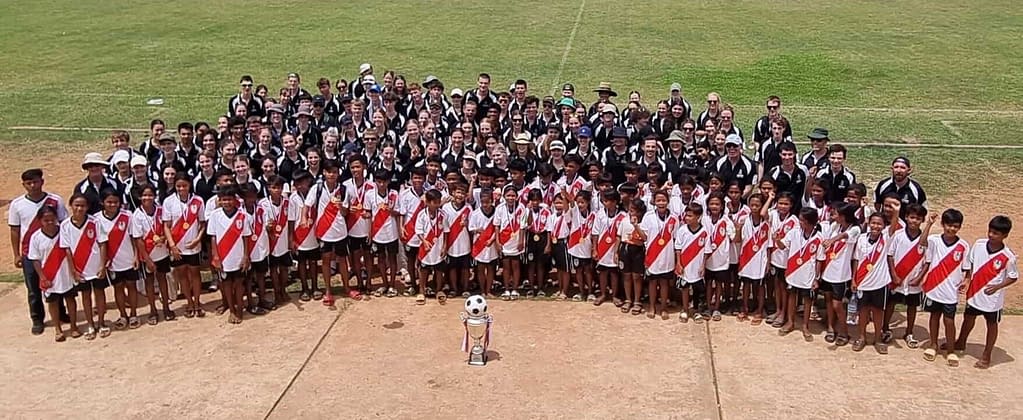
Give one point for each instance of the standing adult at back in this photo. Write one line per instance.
(908, 190)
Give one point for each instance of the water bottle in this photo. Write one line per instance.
(852, 315)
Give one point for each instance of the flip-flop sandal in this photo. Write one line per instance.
(60, 338)
(618, 302)
(304, 297)
(683, 317)
(328, 300)
(257, 310)
(664, 316)
(317, 295)
(982, 364)
(442, 298)
(911, 342)
(354, 294)
(952, 360)
(785, 331)
(626, 307)
(637, 309)
(104, 332)
(75, 333)
(168, 315)
(121, 323)
(379, 292)
(577, 297)
(741, 317)
(233, 320)
(930, 355)
(698, 318)
(133, 322)
(841, 340)
(807, 337)
(716, 316)
(153, 319)
(829, 337)
(392, 293)
(421, 299)
(881, 348)
(189, 313)
(777, 323)
(858, 345)
(268, 305)
(90, 334)
(756, 321)
(199, 313)
(220, 311)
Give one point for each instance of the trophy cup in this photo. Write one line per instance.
(477, 322)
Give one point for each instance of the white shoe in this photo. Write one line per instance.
(506, 295)
(514, 294)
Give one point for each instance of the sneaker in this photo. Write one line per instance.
(514, 294)
(392, 292)
(886, 337)
(506, 295)
(591, 298)
(577, 297)
(540, 293)
(37, 329)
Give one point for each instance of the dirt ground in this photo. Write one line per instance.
(387, 358)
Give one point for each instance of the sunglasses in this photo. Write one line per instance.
(246, 84)
(711, 102)
(772, 107)
(687, 128)
(517, 120)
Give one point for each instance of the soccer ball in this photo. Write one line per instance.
(476, 306)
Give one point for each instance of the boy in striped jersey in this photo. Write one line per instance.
(945, 266)
(993, 269)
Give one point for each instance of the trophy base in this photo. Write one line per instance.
(477, 357)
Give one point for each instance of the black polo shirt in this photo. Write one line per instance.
(794, 182)
(809, 160)
(742, 170)
(769, 154)
(762, 130)
(910, 193)
(92, 191)
(838, 183)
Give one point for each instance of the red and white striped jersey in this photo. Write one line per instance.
(511, 225)
(558, 226)
(483, 231)
(295, 209)
(837, 259)
(872, 262)
(184, 217)
(410, 204)
(383, 224)
(660, 241)
(147, 227)
(580, 238)
(330, 225)
(804, 252)
(229, 233)
(735, 216)
(358, 226)
(692, 247)
(22, 213)
(908, 254)
(42, 247)
(278, 218)
(83, 241)
(431, 228)
(722, 232)
(259, 222)
(753, 258)
(120, 248)
(990, 269)
(781, 228)
(947, 264)
(605, 228)
(458, 238)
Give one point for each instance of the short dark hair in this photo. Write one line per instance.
(1001, 224)
(787, 146)
(185, 125)
(228, 191)
(952, 217)
(695, 208)
(916, 210)
(276, 181)
(32, 174)
(433, 195)
(245, 78)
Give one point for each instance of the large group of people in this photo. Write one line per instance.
(397, 188)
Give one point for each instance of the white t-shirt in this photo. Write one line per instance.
(605, 231)
(990, 269)
(458, 225)
(756, 239)
(511, 225)
(692, 247)
(722, 233)
(328, 228)
(22, 213)
(872, 263)
(478, 224)
(220, 227)
(146, 227)
(410, 205)
(259, 240)
(358, 226)
(120, 256)
(573, 186)
(733, 251)
(278, 219)
(184, 218)
(431, 228)
(558, 227)
(580, 241)
(89, 262)
(40, 246)
(295, 209)
(837, 260)
(383, 223)
(538, 219)
(660, 232)
(804, 252)
(909, 254)
(946, 264)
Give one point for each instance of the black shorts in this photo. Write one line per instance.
(799, 291)
(877, 299)
(281, 261)
(697, 286)
(991, 317)
(308, 255)
(559, 253)
(119, 277)
(57, 297)
(747, 280)
(632, 258)
(716, 278)
(662, 276)
(261, 266)
(189, 260)
(338, 248)
(459, 262)
(441, 266)
(778, 273)
(163, 266)
(908, 300)
(358, 244)
(948, 310)
(95, 284)
(837, 290)
(390, 248)
(233, 275)
(536, 248)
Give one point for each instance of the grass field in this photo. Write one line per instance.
(912, 72)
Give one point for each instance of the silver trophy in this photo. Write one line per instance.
(477, 329)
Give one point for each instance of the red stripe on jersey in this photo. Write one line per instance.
(329, 215)
(693, 250)
(35, 225)
(987, 272)
(83, 249)
(231, 235)
(356, 211)
(460, 223)
(117, 235)
(663, 239)
(257, 226)
(833, 252)
(481, 242)
(720, 232)
(52, 265)
(911, 260)
(607, 239)
(869, 261)
(431, 236)
(302, 232)
(150, 238)
(508, 231)
(187, 220)
(380, 219)
(805, 254)
(576, 237)
(410, 225)
(945, 267)
(279, 224)
(752, 246)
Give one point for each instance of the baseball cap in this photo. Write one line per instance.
(733, 139)
(585, 131)
(139, 160)
(676, 86)
(365, 67)
(608, 108)
(319, 100)
(568, 86)
(620, 132)
(167, 137)
(902, 159)
(557, 144)
(456, 93)
(345, 120)
(369, 80)
(120, 156)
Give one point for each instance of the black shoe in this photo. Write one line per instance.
(37, 329)
(65, 318)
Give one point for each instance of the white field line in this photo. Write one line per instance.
(568, 46)
(46, 128)
(123, 95)
(910, 110)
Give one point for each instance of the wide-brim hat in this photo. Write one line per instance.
(304, 111)
(432, 81)
(605, 87)
(566, 101)
(676, 136)
(818, 134)
(93, 159)
(522, 139)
